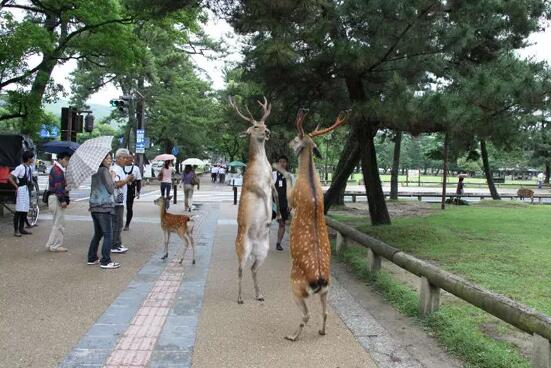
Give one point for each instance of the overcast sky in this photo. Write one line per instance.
(213, 69)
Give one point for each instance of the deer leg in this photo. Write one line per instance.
(240, 278)
(305, 317)
(192, 244)
(166, 236)
(254, 269)
(323, 299)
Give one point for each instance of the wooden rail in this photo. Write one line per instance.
(354, 194)
(434, 278)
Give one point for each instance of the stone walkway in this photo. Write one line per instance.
(174, 315)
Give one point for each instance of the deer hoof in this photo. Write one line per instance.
(181, 260)
(291, 338)
(322, 332)
(239, 301)
(193, 262)
(261, 299)
(165, 256)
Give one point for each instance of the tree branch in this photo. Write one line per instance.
(20, 77)
(24, 7)
(72, 35)
(12, 116)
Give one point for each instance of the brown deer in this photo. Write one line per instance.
(310, 249)
(255, 203)
(179, 224)
(525, 193)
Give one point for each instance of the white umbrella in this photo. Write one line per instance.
(193, 162)
(86, 160)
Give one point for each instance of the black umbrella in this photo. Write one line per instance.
(61, 146)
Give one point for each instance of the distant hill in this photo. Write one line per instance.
(100, 111)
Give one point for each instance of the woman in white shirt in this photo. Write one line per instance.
(21, 178)
(165, 176)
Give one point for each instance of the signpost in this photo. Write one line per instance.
(140, 141)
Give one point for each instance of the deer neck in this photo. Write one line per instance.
(307, 170)
(257, 151)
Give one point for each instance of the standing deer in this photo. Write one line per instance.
(310, 250)
(255, 204)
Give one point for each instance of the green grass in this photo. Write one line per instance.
(385, 178)
(502, 246)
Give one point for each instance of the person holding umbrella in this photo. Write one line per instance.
(102, 210)
(165, 175)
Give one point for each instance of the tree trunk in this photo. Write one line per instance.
(547, 173)
(488, 171)
(395, 166)
(350, 156)
(34, 102)
(445, 172)
(375, 195)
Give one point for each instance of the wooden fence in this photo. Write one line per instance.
(354, 194)
(433, 279)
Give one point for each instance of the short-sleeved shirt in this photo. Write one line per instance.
(119, 175)
(167, 174)
(222, 170)
(214, 170)
(22, 171)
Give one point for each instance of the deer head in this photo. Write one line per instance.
(258, 129)
(302, 140)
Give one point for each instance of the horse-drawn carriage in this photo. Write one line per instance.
(11, 150)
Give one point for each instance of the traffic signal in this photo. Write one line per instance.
(89, 123)
(120, 104)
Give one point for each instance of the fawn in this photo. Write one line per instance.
(179, 224)
(525, 193)
(255, 204)
(310, 249)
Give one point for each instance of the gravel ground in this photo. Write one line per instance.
(49, 300)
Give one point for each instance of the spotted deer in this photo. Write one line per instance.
(525, 193)
(179, 224)
(255, 204)
(310, 250)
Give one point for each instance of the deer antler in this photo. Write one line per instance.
(234, 105)
(266, 108)
(341, 119)
(301, 114)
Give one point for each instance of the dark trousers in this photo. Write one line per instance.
(19, 219)
(213, 177)
(222, 178)
(118, 221)
(102, 229)
(165, 188)
(130, 205)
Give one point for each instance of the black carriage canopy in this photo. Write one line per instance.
(12, 147)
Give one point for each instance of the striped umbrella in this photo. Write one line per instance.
(86, 160)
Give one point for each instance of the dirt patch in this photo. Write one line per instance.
(395, 209)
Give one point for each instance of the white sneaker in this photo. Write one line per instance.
(120, 249)
(111, 265)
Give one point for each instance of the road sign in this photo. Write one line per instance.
(175, 150)
(147, 142)
(140, 141)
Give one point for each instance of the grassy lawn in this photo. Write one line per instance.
(502, 246)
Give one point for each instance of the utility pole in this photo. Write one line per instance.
(140, 129)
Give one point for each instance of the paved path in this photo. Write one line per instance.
(177, 316)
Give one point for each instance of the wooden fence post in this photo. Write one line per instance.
(429, 297)
(541, 352)
(340, 244)
(373, 261)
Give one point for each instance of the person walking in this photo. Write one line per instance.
(541, 178)
(165, 176)
(121, 187)
(21, 178)
(214, 173)
(134, 188)
(58, 200)
(222, 174)
(102, 210)
(189, 180)
(281, 187)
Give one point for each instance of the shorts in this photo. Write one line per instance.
(285, 214)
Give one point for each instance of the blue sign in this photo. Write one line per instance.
(175, 150)
(140, 141)
(48, 132)
(147, 142)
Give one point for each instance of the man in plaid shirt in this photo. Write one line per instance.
(58, 201)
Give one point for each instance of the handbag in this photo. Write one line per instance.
(195, 180)
(160, 175)
(45, 196)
